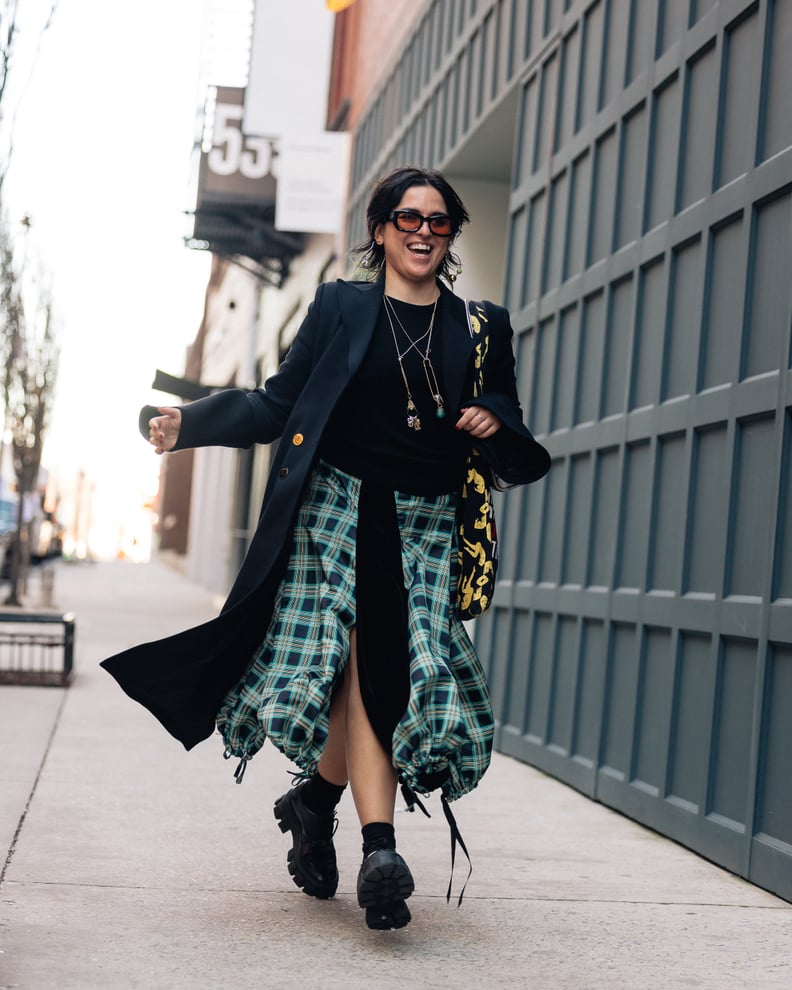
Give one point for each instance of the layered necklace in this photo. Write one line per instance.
(424, 352)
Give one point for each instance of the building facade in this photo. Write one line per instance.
(632, 160)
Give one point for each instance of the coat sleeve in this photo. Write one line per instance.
(236, 418)
(512, 453)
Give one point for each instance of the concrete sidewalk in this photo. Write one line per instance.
(131, 863)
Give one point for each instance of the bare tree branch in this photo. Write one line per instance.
(9, 32)
(31, 372)
(28, 351)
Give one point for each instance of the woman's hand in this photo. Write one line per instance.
(478, 422)
(164, 429)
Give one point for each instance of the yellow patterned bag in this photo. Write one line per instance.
(478, 537)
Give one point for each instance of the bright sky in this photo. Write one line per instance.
(101, 164)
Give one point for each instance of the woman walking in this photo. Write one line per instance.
(340, 641)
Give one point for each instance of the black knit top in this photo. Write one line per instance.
(368, 435)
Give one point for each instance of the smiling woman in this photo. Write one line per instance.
(341, 641)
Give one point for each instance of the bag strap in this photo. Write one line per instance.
(469, 304)
(469, 312)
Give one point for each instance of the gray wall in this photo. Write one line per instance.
(640, 646)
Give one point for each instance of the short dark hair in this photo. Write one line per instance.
(387, 195)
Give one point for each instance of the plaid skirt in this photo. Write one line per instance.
(443, 736)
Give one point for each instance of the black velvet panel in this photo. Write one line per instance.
(382, 640)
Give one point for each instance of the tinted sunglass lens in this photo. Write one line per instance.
(409, 221)
(440, 225)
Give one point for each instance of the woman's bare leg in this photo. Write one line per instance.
(333, 763)
(354, 754)
(372, 776)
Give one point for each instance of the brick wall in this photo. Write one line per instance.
(368, 35)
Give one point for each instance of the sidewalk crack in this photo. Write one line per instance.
(23, 816)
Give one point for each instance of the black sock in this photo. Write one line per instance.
(320, 796)
(378, 835)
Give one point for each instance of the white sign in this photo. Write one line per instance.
(312, 179)
(289, 70)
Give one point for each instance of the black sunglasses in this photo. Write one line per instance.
(410, 222)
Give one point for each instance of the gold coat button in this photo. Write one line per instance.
(297, 439)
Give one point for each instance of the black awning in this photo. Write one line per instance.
(184, 388)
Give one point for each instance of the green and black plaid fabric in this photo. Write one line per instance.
(285, 696)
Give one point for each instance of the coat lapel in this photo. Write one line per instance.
(359, 303)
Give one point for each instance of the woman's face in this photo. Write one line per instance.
(414, 257)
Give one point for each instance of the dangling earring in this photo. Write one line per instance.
(455, 275)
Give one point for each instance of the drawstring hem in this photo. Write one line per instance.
(239, 773)
(412, 800)
(456, 837)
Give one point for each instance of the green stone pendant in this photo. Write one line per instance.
(440, 412)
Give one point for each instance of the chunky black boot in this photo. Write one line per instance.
(384, 884)
(312, 857)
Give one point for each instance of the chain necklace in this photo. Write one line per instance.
(413, 419)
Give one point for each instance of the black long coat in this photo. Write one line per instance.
(183, 679)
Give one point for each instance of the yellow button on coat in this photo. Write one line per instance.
(297, 439)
